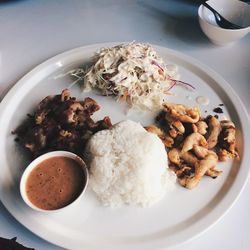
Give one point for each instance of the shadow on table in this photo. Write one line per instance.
(188, 29)
(19, 230)
(179, 22)
(192, 2)
(10, 1)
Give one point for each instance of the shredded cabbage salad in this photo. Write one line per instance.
(132, 72)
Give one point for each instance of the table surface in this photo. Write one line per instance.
(33, 31)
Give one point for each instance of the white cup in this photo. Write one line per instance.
(42, 158)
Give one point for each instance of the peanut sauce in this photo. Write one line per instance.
(55, 183)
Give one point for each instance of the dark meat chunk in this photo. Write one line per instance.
(218, 110)
(90, 106)
(60, 122)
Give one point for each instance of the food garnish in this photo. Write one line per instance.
(60, 122)
(194, 144)
(178, 82)
(132, 72)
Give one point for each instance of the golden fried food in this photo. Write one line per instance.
(197, 143)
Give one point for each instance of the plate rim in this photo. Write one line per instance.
(235, 99)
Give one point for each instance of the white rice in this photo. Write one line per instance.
(129, 166)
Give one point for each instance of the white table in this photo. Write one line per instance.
(33, 31)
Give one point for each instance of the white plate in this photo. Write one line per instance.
(179, 217)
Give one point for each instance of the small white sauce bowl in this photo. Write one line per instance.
(234, 11)
(42, 158)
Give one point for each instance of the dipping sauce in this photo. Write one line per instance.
(55, 183)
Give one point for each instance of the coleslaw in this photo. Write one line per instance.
(131, 72)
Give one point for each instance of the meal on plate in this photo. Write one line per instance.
(129, 165)
(195, 144)
(132, 72)
(60, 122)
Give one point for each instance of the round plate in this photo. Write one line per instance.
(180, 216)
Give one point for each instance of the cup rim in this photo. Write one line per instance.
(41, 158)
(202, 16)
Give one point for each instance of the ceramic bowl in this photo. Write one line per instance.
(42, 158)
(234, 11)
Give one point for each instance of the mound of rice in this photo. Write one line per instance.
(128, 165)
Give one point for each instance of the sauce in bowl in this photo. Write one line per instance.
(54, 182)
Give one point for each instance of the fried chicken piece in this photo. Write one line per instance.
(48, 104)
(44, 108)
(103, 124)
(174, 155)
(176, 128)
(167, 140)
(185, 159)
(189, 158)
(182, 113)
(214, 131)
(200, 127)
(200, 151)
(227, 141)
(213, 172)
(90, 106)
(184, 172)
(201, 169)
(193, 139)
